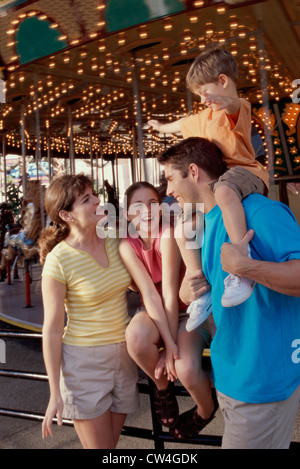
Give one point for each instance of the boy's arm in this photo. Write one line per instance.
(168, 128)
(231, 105)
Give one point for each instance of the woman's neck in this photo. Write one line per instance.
(83, 238)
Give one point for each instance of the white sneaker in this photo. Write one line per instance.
(237, 290)
(199, 310)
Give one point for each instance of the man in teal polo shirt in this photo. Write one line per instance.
(255, 352)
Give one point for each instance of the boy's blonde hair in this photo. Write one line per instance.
(209, 65)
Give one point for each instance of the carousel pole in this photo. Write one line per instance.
(91, 157)
(49, 155)
(117, 175)
(5, 198)
(139, 121)
(265, 92)
(97, 170)
(39, 155)
(102, 171)
(189, 101)
(23, 148)
(134, 156)
(71, 148)
(4, 165)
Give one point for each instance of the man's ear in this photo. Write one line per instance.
(194, 171)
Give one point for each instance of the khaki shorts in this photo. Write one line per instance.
(242, 181)
(258, 426)
(95, 379)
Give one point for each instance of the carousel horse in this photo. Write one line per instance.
(20, 241)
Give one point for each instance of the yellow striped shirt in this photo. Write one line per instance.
(96, 302)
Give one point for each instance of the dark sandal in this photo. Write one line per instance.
(165, 405)
(190, 423)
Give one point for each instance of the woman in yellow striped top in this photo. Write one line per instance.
(92, 379)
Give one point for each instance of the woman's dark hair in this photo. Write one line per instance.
(60, 195)
(140, 185)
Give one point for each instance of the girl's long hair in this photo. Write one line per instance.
(60, 195)
(140, 185)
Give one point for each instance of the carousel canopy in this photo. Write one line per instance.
(85, 76)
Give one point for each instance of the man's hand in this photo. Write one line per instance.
(233, 256)
(193, 286)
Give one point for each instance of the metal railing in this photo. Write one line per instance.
(156, 434)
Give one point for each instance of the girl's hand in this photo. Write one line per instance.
(160, 367)
(55, 407)
(171, 356)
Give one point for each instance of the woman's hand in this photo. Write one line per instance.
(55, 407)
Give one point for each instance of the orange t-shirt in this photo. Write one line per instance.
(234, 140)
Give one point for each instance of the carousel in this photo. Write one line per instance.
(80, 79)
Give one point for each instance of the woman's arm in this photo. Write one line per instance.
(151, 297)
(54, 294)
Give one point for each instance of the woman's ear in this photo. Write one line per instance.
(65, 216)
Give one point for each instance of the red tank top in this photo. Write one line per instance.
(151, 258)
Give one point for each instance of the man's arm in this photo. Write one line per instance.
(283, 277)
(193, 286)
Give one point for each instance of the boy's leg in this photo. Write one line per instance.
(229, 191)
(258, 426)
(233, 213)
(237, 289)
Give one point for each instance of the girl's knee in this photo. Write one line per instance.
(189, 373)
(137, 338)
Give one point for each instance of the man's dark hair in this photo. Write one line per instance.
(197, 150)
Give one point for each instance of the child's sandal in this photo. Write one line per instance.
(165, 405)
(190, 423)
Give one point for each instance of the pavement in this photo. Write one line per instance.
(31, 396)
